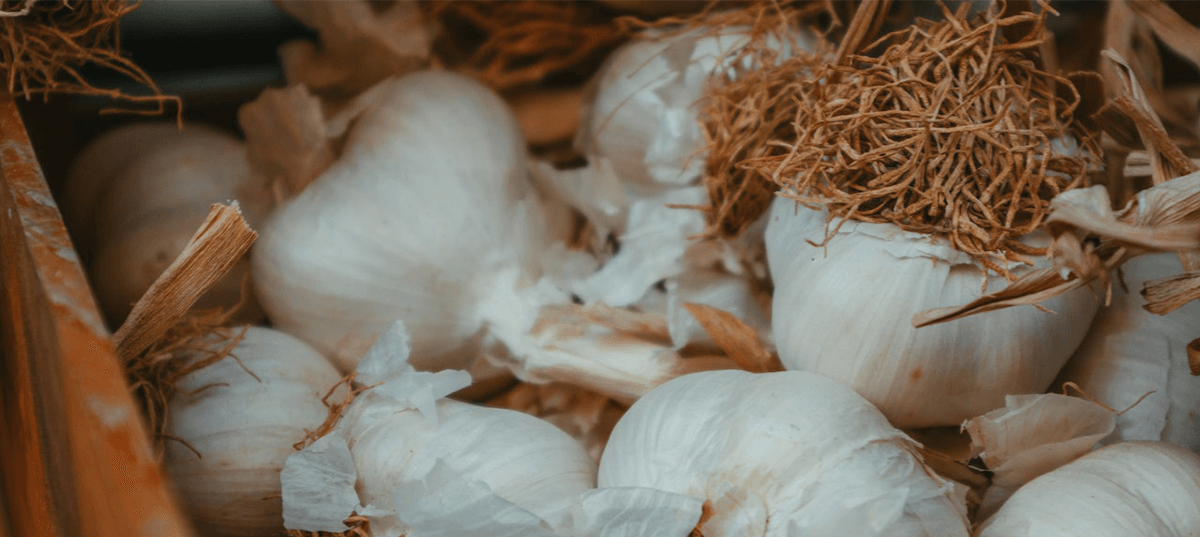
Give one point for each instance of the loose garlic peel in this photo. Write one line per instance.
(780, 454)
(242, 414)
(1032, 435)
(426, 206)
(1148, 489)
(839, 311)
(1130, 352)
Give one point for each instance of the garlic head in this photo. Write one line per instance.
(1129, 489)
(427, 203)
(242, 415)
(844, 311)
(780, 454)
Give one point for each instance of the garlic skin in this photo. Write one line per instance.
(788, 453)
(1130, 352)
(428, 202)
(244, 428)
(1143, 489)
(845, 311)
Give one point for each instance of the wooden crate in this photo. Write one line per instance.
(75, 459)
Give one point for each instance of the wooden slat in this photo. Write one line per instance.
(75, 458)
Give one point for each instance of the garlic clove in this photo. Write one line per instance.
(1130, 488)
(1130, 352)
(243, 415)
(817, 455)
(838, 310)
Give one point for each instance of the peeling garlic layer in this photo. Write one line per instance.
(776, 454)
(845, 311)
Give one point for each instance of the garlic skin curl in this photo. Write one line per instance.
(1131, 489)
(845, 311)
(775, 454)
(1130, 352)
(427, 204)
(244, 428)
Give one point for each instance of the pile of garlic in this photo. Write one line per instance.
(454, 274)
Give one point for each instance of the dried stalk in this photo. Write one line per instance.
(215, 248)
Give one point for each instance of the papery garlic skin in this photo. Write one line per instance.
(1130, 352)
(1132, 489)
(523, 460)
(244, 428)
(427, 203)
(845, 311)
(779, 454)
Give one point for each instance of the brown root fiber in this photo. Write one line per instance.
(507, 45)
(196, 342)
(45, 43)
(359, 527)
(950, 130)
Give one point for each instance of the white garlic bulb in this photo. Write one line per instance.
(642, 125)
(643, 115)
(845, 311)
(419, 464)
(774, 454)
(427, 205)
(522, 459)
(146, 189)
(242, 415)
(1130, 352)
(1147, 489)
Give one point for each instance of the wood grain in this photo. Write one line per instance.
(75, 458)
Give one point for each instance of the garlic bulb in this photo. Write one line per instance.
(643, 115)
(146, 189)
(844, 311)
(242, 415)
(1130, 352)
(93, 170)
(787, 453)
(429, 465)
(427, 206)
(642, 127)
(1127, 489)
